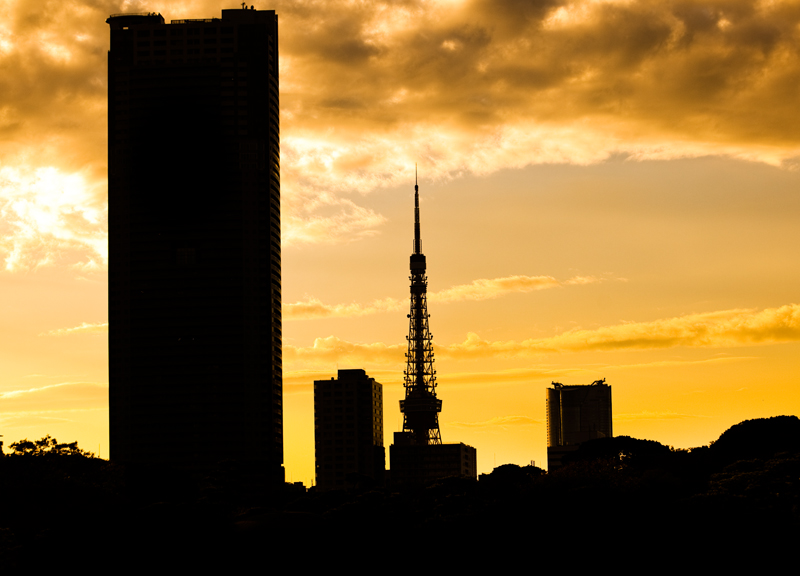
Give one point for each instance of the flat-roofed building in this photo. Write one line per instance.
(418, 464)
(348, 430)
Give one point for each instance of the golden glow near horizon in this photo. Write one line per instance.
(608, 189)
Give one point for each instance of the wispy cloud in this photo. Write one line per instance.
(314, 308)
(482, 289)
(84, 328)
(324, 218)
(727, 328)
(331, 350)
(56, 397)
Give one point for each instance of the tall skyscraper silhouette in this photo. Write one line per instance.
(194, 240)
(418, 455)
(576, 414)
(348, 430)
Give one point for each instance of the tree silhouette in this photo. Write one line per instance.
(47, 446)
(758, 438)
(624, 451)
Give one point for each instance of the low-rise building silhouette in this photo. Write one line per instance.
(414, 464)
(348, 430)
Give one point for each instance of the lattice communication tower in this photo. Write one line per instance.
(421, 407)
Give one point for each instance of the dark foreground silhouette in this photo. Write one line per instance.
(737, 498)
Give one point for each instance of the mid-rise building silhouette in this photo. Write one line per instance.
(348, 431)
(418, 454)
(194, 240)
(576, 414)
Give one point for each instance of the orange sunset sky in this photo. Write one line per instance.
(609, 189)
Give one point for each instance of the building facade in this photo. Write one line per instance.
(414, 464)
(348, 431)
(194, 240)
(576, 414)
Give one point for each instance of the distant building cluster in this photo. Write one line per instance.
(346, 441)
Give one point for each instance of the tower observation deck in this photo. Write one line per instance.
(420, 407)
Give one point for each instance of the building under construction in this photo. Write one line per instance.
(576, 414)
(418, 454)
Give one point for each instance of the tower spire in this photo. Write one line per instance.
(417, 239)
(420, 407)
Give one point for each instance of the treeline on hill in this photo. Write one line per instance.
(743, 488)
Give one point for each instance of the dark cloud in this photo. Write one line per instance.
(475, 65)
(478, 85)
(492, 63)
(53, 79)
